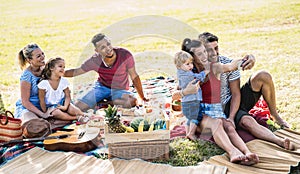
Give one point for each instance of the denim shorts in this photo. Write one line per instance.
(191, 110)
(100, 92)
(213, 110)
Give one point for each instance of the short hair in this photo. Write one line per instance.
(97, 38)
(181, 57)
(207, 37)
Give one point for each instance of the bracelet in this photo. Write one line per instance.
(181, 93)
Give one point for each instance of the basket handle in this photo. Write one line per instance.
(6, 117)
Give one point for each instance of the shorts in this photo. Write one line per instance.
(214, 110)
(248, 101)
(191, 110)
(100, 92)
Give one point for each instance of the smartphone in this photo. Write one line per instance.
(197, 80)
(241, 63)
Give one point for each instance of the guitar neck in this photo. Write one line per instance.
(33, 139)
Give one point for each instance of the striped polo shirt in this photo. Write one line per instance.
(225, 79)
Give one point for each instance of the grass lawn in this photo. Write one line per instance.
(153, 31)
(268, 29)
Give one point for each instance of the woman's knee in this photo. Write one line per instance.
(216, 124)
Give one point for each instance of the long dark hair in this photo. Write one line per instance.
(46, 73)
(188, 44)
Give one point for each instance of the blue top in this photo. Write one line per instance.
(34, 96)
(184, 78)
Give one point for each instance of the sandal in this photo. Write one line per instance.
(83, 119)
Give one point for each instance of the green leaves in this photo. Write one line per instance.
(184, 152)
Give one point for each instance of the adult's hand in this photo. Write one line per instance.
(282, 122)
(230, 121)
(48, 113)
(249, 62)
(191, 88)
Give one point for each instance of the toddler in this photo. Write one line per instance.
(190, 103)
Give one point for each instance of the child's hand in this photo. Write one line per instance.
(48, 113)
(63, 108)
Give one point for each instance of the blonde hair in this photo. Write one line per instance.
(181, 57)
(26, 54)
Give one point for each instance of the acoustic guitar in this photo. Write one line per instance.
(81, 139)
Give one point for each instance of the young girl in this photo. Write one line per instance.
(54, 92)
(190, 103)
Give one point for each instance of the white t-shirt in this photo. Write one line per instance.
(52, 96)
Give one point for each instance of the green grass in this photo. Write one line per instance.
(268, 29)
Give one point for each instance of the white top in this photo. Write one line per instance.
(54, 96)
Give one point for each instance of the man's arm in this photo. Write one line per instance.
(235, 98)
(74, 72)
(137, 82)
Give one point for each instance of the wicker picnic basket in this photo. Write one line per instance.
(144, 145)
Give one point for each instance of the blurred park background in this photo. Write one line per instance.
(153, 31)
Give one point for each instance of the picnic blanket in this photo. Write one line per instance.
(273, 160)
(38, 160)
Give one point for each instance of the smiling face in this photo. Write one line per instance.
(38, 58)
(212, 50)
(200, 55)
(104, 48)
(59, 68)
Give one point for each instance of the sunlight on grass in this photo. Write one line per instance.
(268, 29)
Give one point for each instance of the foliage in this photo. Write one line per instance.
(273, 126)
(184, 152)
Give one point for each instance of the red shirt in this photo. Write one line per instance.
(115, 77)
(211, 90)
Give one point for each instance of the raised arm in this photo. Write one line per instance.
(74, 72)
(222, 68)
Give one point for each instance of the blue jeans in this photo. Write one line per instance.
(100, 92)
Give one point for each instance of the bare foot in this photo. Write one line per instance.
(251, 159)
(288, 145)
(237, 158)
(191, 137)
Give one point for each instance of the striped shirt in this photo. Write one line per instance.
(226, 78)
